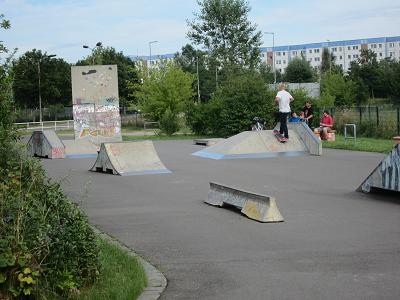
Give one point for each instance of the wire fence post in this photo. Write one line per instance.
(377, 116)
(360, 111)
(398, 121)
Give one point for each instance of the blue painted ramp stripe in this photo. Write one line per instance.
(217, 156)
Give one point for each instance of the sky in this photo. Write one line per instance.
(62, 27)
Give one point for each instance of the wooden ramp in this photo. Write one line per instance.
(129, 158)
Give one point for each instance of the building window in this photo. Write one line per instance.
(341, 65)
(316, 50)
(278, 62)
(294, 52)
(284, 61)
(380, 45)
(340, 48)
(349, 56)
(380, 54)
(391, 54)
(283, 53)
(340, 57)
(391, 45)
(355, 56)
(278, 54)
(316, 59)
(355, 47)
(280, 70)
(310, 51)
(348, 48)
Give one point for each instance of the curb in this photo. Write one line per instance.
(156, 281)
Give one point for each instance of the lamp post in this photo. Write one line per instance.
(148, 68)
(329, 57)
(198, 77)
(273, 54)
(98, 44)
(39, 84)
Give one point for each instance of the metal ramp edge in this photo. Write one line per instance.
(258, 207)
(386, 175)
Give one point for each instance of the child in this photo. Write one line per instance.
(294, 118)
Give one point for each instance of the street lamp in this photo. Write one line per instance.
(273, 54)
(329, 57)
(39, 84)
(98, 44)
(151, 42)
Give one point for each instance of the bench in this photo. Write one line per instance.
(330, 137)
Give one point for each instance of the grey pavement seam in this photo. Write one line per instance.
(156, 281)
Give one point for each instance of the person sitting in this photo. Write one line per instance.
(325, 125)
(294, 118)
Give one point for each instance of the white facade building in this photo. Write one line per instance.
(344, 51)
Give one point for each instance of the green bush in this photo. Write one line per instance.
(41, 230)
(169, 122)
(241, 97)
(47, 246)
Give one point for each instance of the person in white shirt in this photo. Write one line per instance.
(283, 98)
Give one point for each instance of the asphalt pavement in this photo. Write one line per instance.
(335, 243)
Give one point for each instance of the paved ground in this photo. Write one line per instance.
(334, 244)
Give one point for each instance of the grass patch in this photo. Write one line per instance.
(163, 137)
(361, 144)
(121, 277)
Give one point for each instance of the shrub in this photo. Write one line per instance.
(241, 97)
(169, 122)
(46, 243)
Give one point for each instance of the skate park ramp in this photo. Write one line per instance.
(259, 144)
(386, 175)
(129, 158)
(80, 149)
(258, 207)
(46, 143)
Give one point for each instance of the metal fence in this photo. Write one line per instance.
(381, 120)
(55, 125)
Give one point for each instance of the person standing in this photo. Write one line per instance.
(308, 113)
(283, 98)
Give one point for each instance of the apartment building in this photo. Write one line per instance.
(344, 51)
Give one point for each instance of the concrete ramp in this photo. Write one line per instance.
(386, 175)
(46, 143)
(255, 206)
(129, 158)
(254, 144)
(80, 149)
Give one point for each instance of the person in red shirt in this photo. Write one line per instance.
(325, 125)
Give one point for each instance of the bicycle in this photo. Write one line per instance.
(258, 124)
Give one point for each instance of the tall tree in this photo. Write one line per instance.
(299, 70)
(223, 29)
(55, 80)
(327, 61)
(166, 91)
(198, 63)
(127, 73)
(366, 70)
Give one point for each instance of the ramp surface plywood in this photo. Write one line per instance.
(254, 144)
(129, 158)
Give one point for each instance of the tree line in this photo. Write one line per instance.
(217, 75)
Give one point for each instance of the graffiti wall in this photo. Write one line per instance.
(96, 103)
